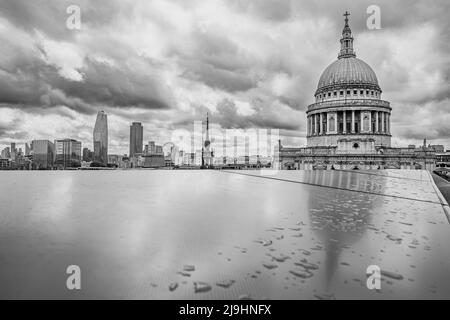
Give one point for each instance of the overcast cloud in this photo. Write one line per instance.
(251, 64)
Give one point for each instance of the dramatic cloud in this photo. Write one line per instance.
(250, 64)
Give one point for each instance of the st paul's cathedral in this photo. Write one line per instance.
(349, 125)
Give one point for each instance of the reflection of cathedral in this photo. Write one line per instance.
(340, 218)
(348, 126)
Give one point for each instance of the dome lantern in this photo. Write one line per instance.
(346, 41)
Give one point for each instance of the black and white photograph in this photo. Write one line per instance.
(224, 150)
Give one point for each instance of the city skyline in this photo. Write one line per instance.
(216, 145)
(167, 83)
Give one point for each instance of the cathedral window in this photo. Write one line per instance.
(366, 124)
(332, 123)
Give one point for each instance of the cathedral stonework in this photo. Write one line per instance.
(349, 125)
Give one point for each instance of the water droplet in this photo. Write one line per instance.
(225, 284)
(305, 252)
(173, 286)
(306, 265)
(264, 242)
(280, 258)
(304, 274)
(391, 275)
(188, 268)
(395, 239)
(201, 287)
(269, 266)
(325, 296)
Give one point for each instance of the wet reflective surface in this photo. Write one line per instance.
(223, 235)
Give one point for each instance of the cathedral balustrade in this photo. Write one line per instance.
(349, 103)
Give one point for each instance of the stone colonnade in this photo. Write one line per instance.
(347, 122)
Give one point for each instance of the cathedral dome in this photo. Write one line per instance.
(348, 72)
(348, 105)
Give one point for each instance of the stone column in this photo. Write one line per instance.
(313, 119)
(370, 122)
(321, 123)
(316, 126)
(308, 127)
(382, 123)
(328, 123)
(344, 119)
(388, 123)
(377, 129)
(336, 123)
(361, 122)
(353, 121)
(318, 120)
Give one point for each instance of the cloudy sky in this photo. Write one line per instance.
(251, 64)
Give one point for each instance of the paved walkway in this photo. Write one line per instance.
(443, 185)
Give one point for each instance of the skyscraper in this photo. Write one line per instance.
(67, 153)
(27, 149)
(13, 151)
(6, 154)
(151, 147)
(43, 154)
(136, 138)
(101, 138)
